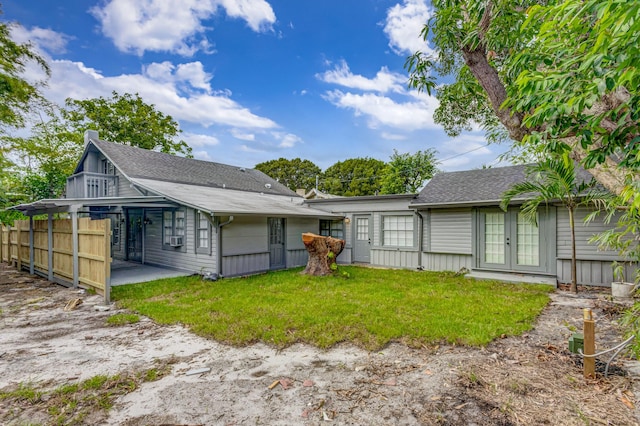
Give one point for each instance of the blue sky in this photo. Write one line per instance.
(254, 80)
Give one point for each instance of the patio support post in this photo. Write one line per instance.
(74, 241)
(31, 248)
(50, 246)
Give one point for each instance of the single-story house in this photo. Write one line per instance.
(455, 223)
(186, 214)
(465, 228)
(378, 230)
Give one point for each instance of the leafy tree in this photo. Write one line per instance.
(44, 160)
(408, 172)
(294, 173)
(17, 98)
(16, 94)
(354, 177)
(125, 119)
(550, 181)
(559, 75)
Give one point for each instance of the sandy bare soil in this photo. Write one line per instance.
(529, 379)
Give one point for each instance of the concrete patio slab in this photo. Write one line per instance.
(130, 273)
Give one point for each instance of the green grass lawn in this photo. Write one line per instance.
(369, 309)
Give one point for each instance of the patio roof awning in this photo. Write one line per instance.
(222, 202)
(74, 204)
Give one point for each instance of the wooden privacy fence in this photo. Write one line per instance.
(57, 251)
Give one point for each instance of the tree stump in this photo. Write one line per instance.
(323, 252)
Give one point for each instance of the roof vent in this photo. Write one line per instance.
(267, 185)
(242, 169)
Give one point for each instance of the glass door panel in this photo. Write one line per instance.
(528, 242)
(494, 242)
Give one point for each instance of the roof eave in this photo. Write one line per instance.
(464, 203)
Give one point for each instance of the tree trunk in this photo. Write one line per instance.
(608, 174)
(574, 271)
(323, 252)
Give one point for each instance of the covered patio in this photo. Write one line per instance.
(123, 272)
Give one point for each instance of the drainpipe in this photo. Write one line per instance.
(219, 243)
(420, 238)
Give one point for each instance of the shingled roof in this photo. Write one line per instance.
(138, 163)
(480, 186)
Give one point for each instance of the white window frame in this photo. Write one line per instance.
(398, 230)
(201, 218)
(171, 219)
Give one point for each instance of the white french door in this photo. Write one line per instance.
(508, 241)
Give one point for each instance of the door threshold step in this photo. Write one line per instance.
(513, 277)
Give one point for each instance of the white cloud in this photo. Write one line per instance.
(287, 140)
(171, 25)
(247, 148)
(383, 111)
(384, 81)
(403, 26)
(457, 153)
(196, 140)
(202, 155)
(43, 39)
(170, 88)
(244, 136)
(392, 136)
(258, 13)
(187, 76)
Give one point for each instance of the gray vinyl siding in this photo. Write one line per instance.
(188, 259)
(593, 266)
(446, 262)
(245, 246)
(584, 249)
(345, 257)
(125, 188)
(426, 230)
(244, 264)
(450, 231)
(394, 258)
(376, 240)
(245, 235)
(297, 254)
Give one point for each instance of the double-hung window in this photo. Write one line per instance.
(397, 231)
(203, 234)
(174, 224)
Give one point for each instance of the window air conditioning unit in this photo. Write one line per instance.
(175, 241)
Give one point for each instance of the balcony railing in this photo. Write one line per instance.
(92, 185)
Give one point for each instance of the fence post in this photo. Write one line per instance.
(74, 242)
(19, 260)
(31, 247)
(50, 246)
(107, 261)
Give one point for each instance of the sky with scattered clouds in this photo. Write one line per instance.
(254, 80)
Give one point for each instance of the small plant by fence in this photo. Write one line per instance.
(55, 253)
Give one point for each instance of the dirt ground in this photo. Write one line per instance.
(528, 379)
